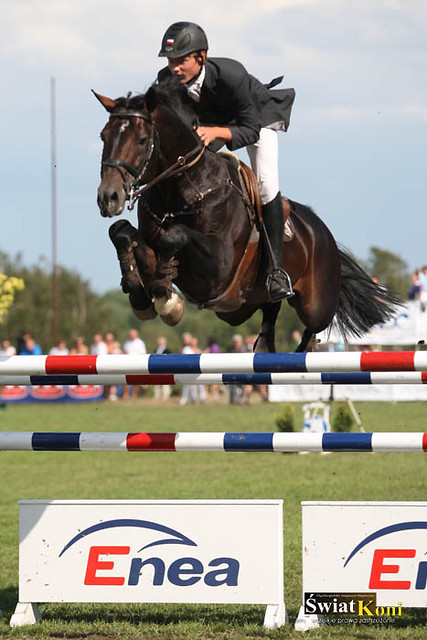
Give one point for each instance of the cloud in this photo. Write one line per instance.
(414, 110)
(358, 69)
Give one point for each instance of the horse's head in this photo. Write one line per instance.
(128, 156)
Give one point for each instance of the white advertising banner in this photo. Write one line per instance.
(151, 551)
(366, 547)
(407, 327)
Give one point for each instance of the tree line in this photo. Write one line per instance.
(82, 312)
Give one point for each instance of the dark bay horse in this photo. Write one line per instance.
(197, 230)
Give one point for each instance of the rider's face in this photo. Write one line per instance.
(185, 68)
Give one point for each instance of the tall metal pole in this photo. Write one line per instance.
(54, 222)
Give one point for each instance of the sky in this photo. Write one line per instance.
(356, 150)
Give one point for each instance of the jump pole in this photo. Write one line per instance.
(339, 378)
(212, 441)
(215, 363)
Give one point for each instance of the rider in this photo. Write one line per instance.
(235, 109)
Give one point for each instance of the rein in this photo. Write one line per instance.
(133, 191)
(179, 165)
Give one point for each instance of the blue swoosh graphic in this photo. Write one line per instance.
(178, 538)
(402, 526)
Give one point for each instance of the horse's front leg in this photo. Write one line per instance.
(138, 264)
(196, 269)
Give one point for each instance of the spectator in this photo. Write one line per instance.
(60, 349)
(262, 389)
(213, 389)
(31, 348)
(133, 346)
(79, 348)
(113, 347)
(213, 346)
(7, 349)
(414, 292)
(423, 282)
(22, 341)
(296, 339)
(200, 389)
(237, 392)
(188, 391)
(98, 346)
(162, 391)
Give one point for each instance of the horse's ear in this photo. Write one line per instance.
(150, 99)
(107, 103)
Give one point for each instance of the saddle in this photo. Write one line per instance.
(243, 177)
(246, 273)
(248, 183)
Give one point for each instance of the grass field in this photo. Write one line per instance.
(294, 478)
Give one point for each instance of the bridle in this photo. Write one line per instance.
(116, 163)
(132, 189)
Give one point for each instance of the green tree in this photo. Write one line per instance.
(390, 270)
(80, 310)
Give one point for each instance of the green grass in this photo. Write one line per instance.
(343, 476)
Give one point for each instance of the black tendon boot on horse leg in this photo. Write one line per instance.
(122, 235)
(278, 281)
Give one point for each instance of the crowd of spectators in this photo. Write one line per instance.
(134, 345)
(418, 290)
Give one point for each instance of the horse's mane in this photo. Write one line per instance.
(130, 102)
(169, 94)
(172, 95)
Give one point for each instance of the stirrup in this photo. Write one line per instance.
(279, 285)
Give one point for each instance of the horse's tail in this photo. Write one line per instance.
(362, 303)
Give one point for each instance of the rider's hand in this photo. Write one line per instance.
(210, 134)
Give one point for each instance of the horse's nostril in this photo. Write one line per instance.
(115, 196)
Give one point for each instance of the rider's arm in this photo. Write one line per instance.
(235, 96)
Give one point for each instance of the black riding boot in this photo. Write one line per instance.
(278, 281)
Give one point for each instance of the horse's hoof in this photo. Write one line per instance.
(170, 309)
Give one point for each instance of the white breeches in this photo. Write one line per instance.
(264, 157)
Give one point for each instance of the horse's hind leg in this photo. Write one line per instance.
(265, 343)
(125, 239)
(308, 342)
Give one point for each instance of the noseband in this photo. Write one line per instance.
(133, 190)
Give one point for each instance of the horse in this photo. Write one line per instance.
(200, 231)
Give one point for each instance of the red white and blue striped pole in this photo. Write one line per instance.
(339, 378)
(212, 441)
(215, 363)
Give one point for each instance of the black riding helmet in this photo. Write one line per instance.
(182, 38)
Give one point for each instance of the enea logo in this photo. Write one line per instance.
(380, 567)
(14, 392)
(85, 392)
(182, 572)
(48, 392)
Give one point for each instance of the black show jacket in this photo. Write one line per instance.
(232, 98)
